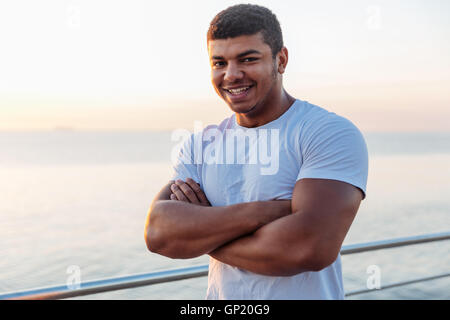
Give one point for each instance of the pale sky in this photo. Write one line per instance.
(138, 65)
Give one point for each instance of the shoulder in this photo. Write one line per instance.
(313, 117)
(332, 147)
(317, 123)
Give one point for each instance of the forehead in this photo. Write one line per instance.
(229, 48)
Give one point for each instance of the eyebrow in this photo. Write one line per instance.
(240, 55)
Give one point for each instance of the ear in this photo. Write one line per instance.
(283, 58)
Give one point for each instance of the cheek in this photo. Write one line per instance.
(262, 74)
(263, 82)
(216, 82)
(215, 79)
(269, 76)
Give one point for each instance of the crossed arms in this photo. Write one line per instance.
(276, 238)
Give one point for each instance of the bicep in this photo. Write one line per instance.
(327, 208)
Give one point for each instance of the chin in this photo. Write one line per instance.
(241, 108)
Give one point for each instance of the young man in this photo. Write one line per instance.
(272, 225)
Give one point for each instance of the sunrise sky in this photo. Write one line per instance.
(143, 65)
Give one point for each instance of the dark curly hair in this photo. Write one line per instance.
(247, 19)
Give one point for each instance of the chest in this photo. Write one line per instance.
(250, 175)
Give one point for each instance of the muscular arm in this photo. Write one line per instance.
(307, 240)
(181, 229)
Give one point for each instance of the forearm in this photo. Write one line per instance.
(271, 250)
(183, 230)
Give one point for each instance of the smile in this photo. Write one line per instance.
(238, 92)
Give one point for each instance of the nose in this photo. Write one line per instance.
(233, 73)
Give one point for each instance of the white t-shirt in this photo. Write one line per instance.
(305, 142)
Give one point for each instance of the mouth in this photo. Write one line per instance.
(238, 93)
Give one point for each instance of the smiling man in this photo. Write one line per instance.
(271, 234)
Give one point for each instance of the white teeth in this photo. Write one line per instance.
(237, 91)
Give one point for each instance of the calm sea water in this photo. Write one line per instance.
(81, 198)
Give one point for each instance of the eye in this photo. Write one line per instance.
(218, 64)
(250, 59)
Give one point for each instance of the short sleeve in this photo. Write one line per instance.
(185, 164)
(335, 150)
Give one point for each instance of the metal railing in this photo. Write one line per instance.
(145, 279)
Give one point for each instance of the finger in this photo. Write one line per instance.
(173, 197)
(178, 193)
(198, 191)
(188, 192)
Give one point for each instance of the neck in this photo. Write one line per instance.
(268, 111)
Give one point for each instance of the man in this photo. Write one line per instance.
(273, 229)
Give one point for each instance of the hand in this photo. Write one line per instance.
(188, 191)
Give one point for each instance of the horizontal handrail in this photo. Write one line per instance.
(138, 280)
(393, 243)
(109, 284)
(398, 284)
